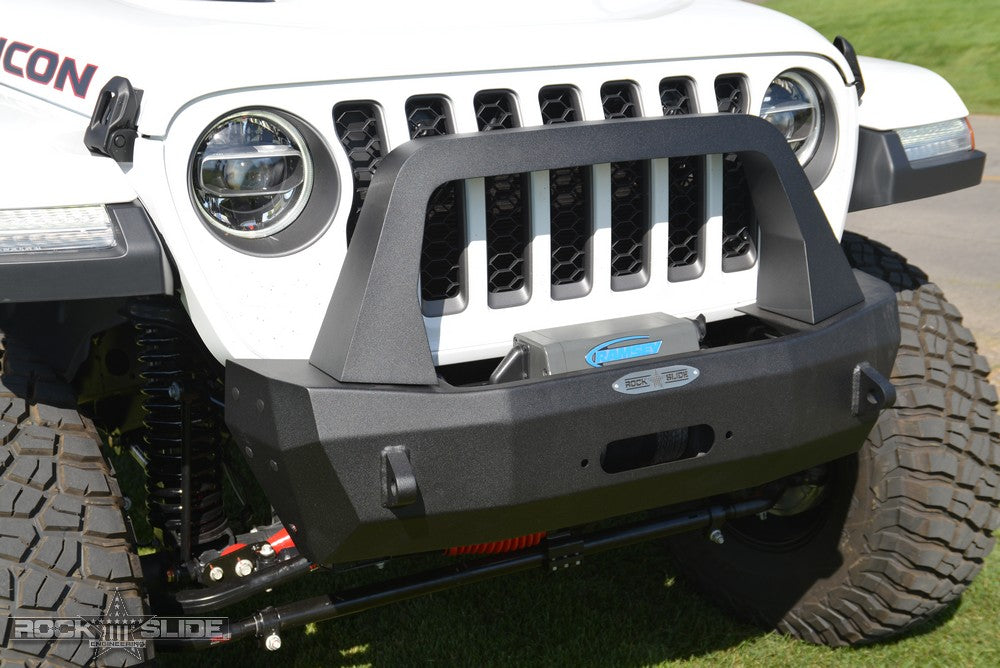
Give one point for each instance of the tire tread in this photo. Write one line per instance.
(65, 546)
(935, 472)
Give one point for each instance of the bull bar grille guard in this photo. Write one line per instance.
(803, 274)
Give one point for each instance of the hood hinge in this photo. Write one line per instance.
(113, 127)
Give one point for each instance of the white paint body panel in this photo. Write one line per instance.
(45, 163)
(900, 95)
(193, 60)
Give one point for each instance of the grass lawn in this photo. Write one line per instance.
(958, 39)
(622, 608)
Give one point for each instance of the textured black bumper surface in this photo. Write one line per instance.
(507, 460)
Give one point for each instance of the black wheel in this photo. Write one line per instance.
(872, 544)
(65, 546)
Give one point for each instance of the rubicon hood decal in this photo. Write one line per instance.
(45, 67)
(603, 354)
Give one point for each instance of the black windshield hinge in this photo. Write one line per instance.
(847, 49)
(113, 127)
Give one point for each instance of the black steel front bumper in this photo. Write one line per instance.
(365, 454)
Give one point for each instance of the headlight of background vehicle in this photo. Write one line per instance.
(793, 104)
(252, 174)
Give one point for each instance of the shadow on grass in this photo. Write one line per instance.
(619, 608)
(622, 608)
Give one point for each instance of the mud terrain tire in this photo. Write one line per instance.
(906, 523)
(65, 544)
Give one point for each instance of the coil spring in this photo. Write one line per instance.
(172, 369)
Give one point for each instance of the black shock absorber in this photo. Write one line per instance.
(182, 429)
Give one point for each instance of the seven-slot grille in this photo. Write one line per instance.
(571, 198)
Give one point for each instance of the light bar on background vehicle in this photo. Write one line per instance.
(56, 229)
(929, 141)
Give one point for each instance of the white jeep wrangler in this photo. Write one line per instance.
(527, 285)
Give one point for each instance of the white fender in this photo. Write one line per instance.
(45, 162)
(900, 95)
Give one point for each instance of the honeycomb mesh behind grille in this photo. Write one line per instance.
(620, 99)
(739, 220)
(675, 96)
(507, 221)
(569, 200)
(444, 243)
(427, 116)
(359, 129)
(495, 110)
(444, 226)
(687, 189)
(559, 104)
(731, 93)
(687, 210)
(629, 195)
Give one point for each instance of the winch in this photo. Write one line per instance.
(594, 345)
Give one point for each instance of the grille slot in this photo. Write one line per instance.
(739, 220)
(570, 217)
(630, 205)
(676, 96)
(441, 271)
(507, 220)
(687, 191)
(428, 116)
(731, 93)
(687, 217)
(359, 129)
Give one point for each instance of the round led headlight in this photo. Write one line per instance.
(793, 104)
(252, 174)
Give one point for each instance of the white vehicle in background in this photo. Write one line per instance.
(477, 283)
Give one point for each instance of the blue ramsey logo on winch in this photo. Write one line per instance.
(605, 354)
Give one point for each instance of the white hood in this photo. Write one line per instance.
(178, 51)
